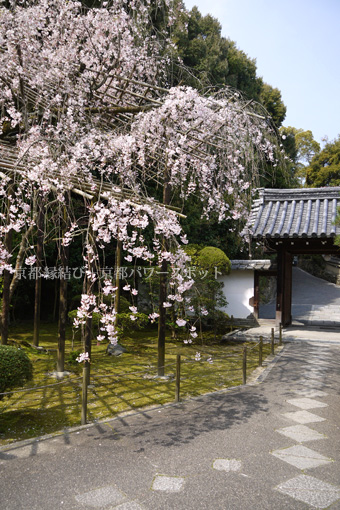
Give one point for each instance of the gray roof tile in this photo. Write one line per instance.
(291, 213)
(264, 264)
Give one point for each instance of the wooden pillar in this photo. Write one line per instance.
(284, 288)
(256, 294)
(287, 294)
(279, 287)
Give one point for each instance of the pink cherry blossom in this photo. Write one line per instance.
(181, 322)
(83, 357)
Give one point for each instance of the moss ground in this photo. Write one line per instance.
(118, 384)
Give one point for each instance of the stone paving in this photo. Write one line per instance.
(310, 490)
(269, 445)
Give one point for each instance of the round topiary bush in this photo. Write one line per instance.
(213, 259)
(15, 368)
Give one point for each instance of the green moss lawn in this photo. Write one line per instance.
(118, 384)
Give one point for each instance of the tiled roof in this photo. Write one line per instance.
(292, 213)
(251, 264)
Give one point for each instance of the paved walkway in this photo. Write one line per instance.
(314, 301)
(295, 333)
(270, 445)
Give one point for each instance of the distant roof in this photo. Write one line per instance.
(295, 213)
(251, 264)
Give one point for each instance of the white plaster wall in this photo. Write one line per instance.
(238, 289)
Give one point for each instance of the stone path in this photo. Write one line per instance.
(269, 445)
(308, 489)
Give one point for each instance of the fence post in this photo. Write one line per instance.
(178, 377)
(272, 342)
(86, 375)
(280, 337)
(244, 365)
(260, 351)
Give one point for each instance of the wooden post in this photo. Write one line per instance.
(244, 365)
(256, 294)
(280, 334)
(284, 287)
(86, 373)
(260, 351)
(178, 377)
(272, 342)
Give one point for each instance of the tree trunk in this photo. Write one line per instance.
(62, 310)
(6, 282)
(117, 268)
(6, 294)
(163, 292)
(162, 318)
(88, 344)
(87, 331)
(9, 284)
(19, 260)
(37, 301)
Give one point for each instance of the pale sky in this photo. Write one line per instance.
(296, 45)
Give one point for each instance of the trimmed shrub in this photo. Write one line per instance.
(15, 368)
(213, 259)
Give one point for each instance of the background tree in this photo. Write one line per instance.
(271, 99)
(201, 49)
(300, 147)
(213, 60)
(242, 72)
(306, 146)
(324, 168)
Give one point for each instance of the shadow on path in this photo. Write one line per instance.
(180, 424)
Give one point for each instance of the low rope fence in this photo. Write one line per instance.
(97, 396)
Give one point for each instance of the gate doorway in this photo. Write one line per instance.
(290, 222)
